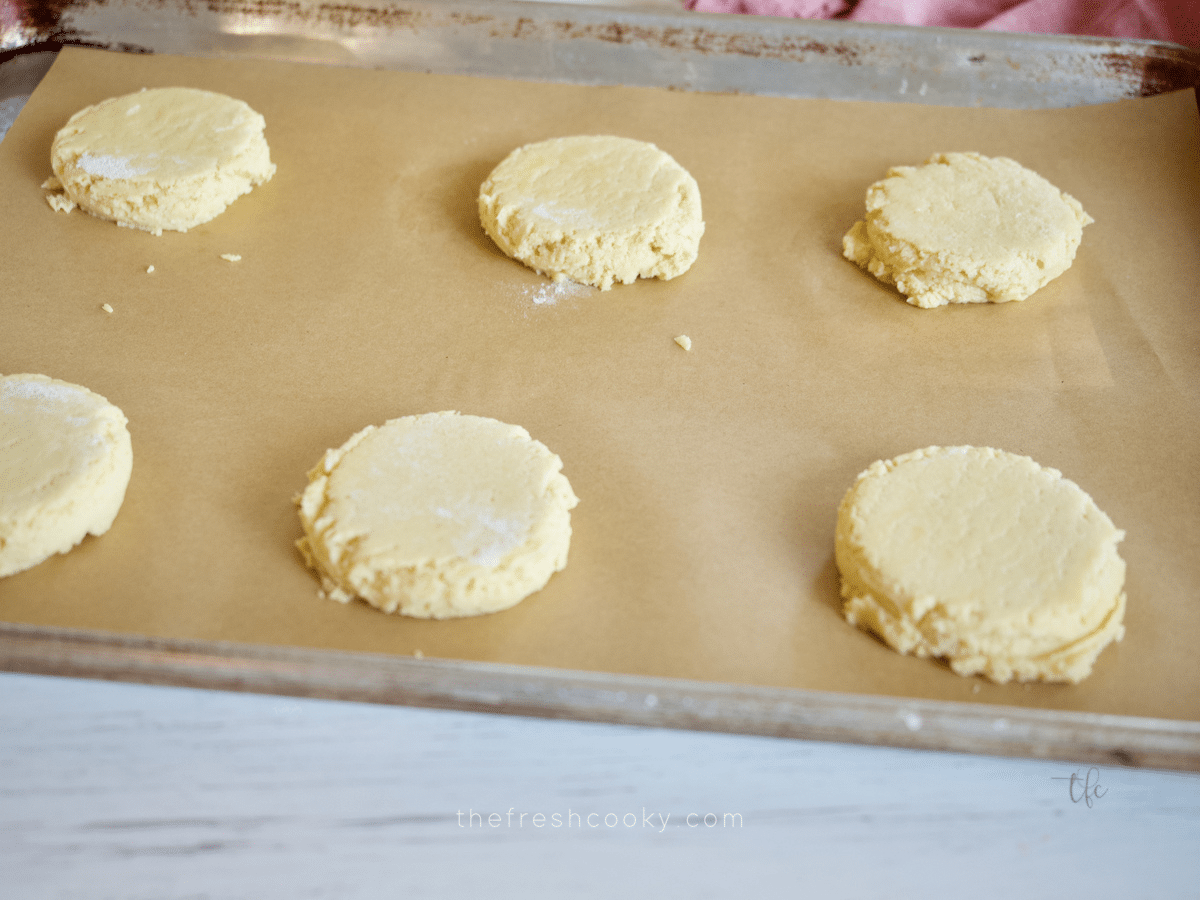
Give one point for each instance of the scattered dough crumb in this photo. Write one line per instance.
(149, 269)
(60, 203)
(231, 257)
(106, 307)
(417, 654)
(684, 341)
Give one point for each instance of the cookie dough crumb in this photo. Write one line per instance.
(684, 341)
(60, 203)
(231, 257)
(107, 308)
(149, 270)
(417, 654)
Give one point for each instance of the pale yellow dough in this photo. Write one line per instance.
(436, 516)
(166, 159)
(966, 228)
(984, 558)
(65, 461)
(594, 209)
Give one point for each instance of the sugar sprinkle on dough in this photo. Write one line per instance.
(966, 228)
(149, 270)
(595, 209)
(107, 307)
(231, 257)
(984, 558)
(437, 516)
(65, 461)
(160, 159)
(684, 341)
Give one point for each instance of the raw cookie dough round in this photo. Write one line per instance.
(984, 558)
(161, 159)
(65, 459)
(594, 209)
(966, 228)
(436, 516)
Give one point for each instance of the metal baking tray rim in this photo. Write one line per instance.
(1078, 737)
(589, 44)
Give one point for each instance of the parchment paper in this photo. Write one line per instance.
(709, 480)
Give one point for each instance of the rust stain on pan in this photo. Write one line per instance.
(679, 38)
(49, 21)
(41, 19)
(38, 25)
(1169, 69)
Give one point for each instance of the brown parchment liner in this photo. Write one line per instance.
(709, 480)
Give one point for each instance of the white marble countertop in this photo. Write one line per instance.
(128, 791)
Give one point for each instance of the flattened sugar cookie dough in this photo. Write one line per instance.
(984, 558)
(65, 461)
(594, 209)
(966, 228)
(166, 159)
(436, 516)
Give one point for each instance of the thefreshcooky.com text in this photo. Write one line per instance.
(571, 819)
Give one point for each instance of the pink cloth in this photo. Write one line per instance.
(1161, 20)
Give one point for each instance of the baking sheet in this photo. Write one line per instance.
(602, 45)
(708, 480)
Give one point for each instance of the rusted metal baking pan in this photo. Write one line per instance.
(611, 45)
(590, 45)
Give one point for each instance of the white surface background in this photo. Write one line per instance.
(129, 791)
